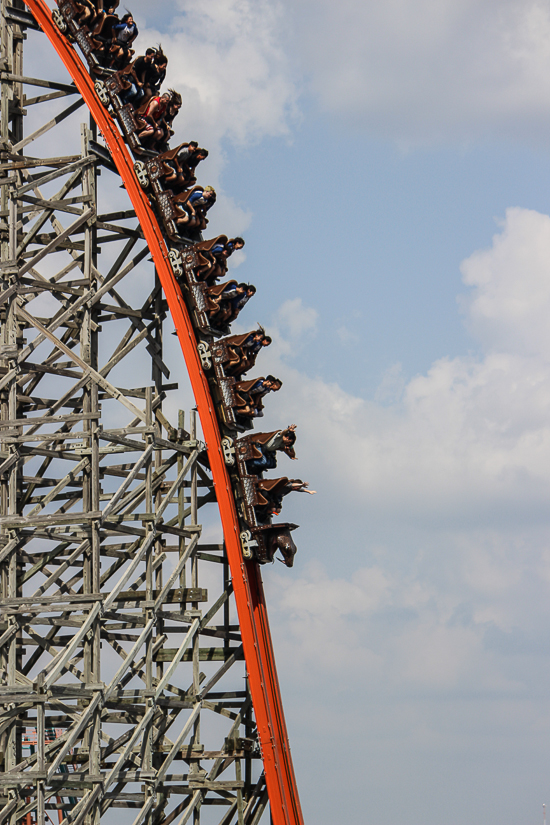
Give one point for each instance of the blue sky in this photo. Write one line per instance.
(392, 226)
(388, 166)
(369, 155)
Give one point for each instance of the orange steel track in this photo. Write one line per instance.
(247, 582)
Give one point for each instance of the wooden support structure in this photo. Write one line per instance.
(122, 675)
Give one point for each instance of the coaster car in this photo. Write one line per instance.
(239, 402)
(256, 453)
(237, 353)
(190, 216)
(231, 403)
(176, 167)
(260, 538)
(102, 36)
(67, 18)
(184, 265)
(226, 302)
(210, 268)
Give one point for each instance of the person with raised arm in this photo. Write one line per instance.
(273, 490)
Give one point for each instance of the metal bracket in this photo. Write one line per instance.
(175, 260)
(248, 544)
(228, 447)
(205, 355)
(102, 92)
(57, 18)
(141, 174)
(190, 258)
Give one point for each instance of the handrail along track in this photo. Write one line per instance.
(246, 577)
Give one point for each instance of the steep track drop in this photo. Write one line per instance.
(247, 582)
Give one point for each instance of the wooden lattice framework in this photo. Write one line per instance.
(122, 681)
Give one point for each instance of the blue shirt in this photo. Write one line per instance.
(194, 196)
(124, 32)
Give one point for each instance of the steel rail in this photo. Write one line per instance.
(247, 582)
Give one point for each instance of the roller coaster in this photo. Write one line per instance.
(74, 767)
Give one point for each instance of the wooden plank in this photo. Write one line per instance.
(218, 675)
(26, 162)
(31, 101)
(206, 654)
(179, 654)
(64, 566)
(57, 205)
(86, 215)
(53, 669)
(73, 735)
(179, 742)
(11, 522)
(129, 658)
(115, 771)
(36, 81)
(176, 572)
(138, 558)
(118, 274)
(67, 602)
(49, 125)
(103, 383)
(50, 419)
(130, 478)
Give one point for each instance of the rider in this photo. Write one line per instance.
(125, 33)
(267, 445)
(151, 118)
(250, 395)
(142, 69)
(243, 350)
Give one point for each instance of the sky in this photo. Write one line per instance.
(389, 167)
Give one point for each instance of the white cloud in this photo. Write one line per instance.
(391, 386)
(321, 598)
(346, 337)
(470, 435)
(295, 319)
(509, 308)
(430, 69)
(390, 629)
(324, 618)
(226, 59)
(291, 324)
(458, 471)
